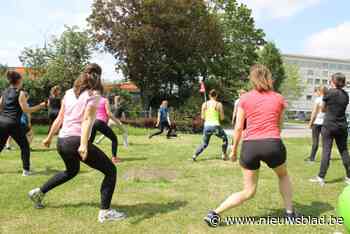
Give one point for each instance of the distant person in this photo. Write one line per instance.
(212, 113)
(163, 120)
(117, 115)
(263, 109)
(316, 122)
(54, 104)
(234, 114)
(335, 127)
(77, 115)
(14, 102)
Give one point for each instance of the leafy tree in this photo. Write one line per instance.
(162, 46)
(271, 57)
(242, 40)
(3, 81)
(58, 63)
(292, 87)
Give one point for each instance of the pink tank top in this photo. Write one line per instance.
(74, 109)
(101, 113)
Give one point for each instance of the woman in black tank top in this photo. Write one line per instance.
(54, 104)
(13, 104)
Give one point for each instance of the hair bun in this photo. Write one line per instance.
(13, 77)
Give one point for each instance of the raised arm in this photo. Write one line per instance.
(23, 102)
(88, 121)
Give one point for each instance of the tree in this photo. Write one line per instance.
(271, 57)
(3, 81)
(162, 46)
(292, 87)
(58, 63)
(241, 43)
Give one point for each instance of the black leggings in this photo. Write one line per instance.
(14, 130)
(162, 126)
(68, 149)
(341, 139)
(103, 128)
(316, 132)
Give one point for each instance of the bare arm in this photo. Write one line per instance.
(316, 109)
(110, 114)
(222, 114)
(203, 111)
(237, 132)
(1, 106)
(56, 125)
(88, 121)
(23, 102)
(234, 114)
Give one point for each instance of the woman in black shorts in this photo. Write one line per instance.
(263, 110)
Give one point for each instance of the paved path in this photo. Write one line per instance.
(289, 131)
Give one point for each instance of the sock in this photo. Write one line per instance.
(289, 211)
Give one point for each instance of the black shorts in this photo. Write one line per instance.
(271, 151)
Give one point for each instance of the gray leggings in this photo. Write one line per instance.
(207, 133)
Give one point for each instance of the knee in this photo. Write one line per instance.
(249, 193)
(72, 172)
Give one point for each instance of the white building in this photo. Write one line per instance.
(315, 71)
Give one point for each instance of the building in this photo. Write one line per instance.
(25, 72)
(314, 71)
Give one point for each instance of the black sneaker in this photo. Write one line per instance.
(292, 217)
(213, 219)
(194, 158)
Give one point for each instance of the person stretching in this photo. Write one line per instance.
(263, 110)
(103, 114)
(316, 122)
(13, 103)
(163, 120)
(212, 113)
(334, 127)
(76, 116)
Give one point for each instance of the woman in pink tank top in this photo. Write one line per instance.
(103, 114)
(262, 108)
(76, 116)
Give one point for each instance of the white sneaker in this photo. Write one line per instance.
(110, 215)
(318, 179)
(347, 180)
(26, 173)
(37, 198)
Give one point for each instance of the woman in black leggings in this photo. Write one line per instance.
(13, 103)
(335, 127)
(77, 115)
(54, 104)
(103, 114)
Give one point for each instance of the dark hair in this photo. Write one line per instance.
(339, 80)
(213, 93)
(89, 79)
(13, 77)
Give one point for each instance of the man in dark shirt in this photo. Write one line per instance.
(334, 127)
(163, 120)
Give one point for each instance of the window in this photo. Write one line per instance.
(309, 97)
(310, 72)
(325, 74)
(348, 84)
(317, 81)
(310, 81)
(332, 66)
(325, 82)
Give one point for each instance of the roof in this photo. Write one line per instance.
(300, 56)
(127, 86)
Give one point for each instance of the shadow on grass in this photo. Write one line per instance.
(338, 180)
(133, 159)
(44, 150)
(141, 211)
(46, 171)
(315, 209)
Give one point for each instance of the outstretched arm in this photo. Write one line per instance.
(23, 102)
(237, 132)
(110, 114)
(56, 125)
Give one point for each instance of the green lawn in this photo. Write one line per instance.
(161, 190)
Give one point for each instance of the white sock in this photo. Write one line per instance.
(289, 211)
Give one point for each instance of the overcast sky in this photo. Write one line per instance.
(310, 27)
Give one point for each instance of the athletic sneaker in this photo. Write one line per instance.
(317, 179)
(26, 173)
(213, 219)
(194, 158)
(110, 215)
(291, 217)
(347, 180)
(37, 197)
(224, 157)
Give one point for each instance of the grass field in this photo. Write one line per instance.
(161, 190)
